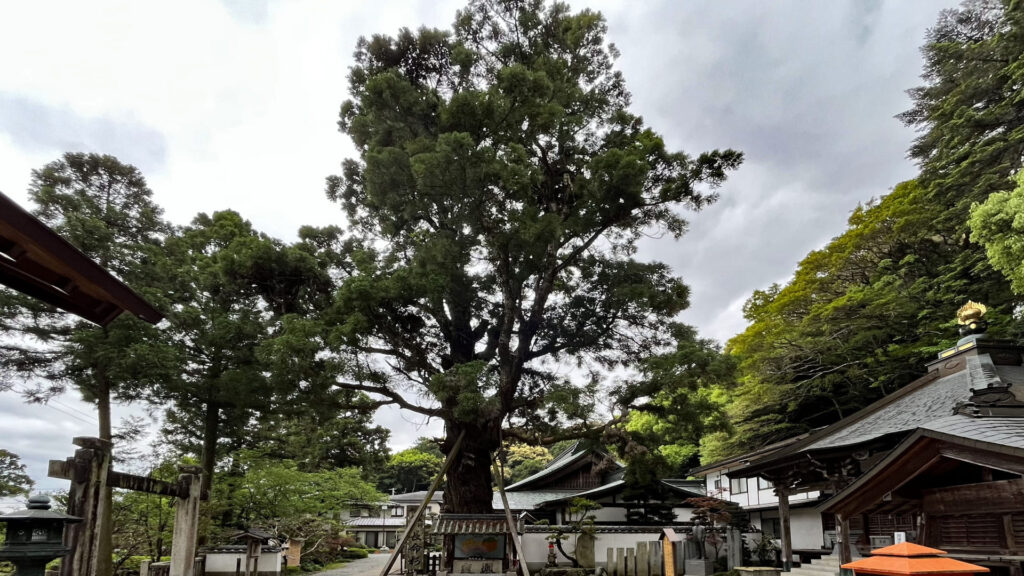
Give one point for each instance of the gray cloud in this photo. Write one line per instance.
(807, 91)
(36, 127)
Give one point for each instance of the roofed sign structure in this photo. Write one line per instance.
(36, 261)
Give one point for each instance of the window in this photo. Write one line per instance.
(353, 513)
(718, 484)
(397, 511)
(738, 485)
(364, 512)
(763, 484)
(770, 528)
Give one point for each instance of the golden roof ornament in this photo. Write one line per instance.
(970, 312)
(969, 317)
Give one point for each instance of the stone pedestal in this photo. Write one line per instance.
(699, 567)
(585, 551)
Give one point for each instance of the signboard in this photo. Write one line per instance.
(479, 545)
(899, 537)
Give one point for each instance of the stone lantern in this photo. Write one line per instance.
(34, 536)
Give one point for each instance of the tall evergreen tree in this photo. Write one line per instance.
(500, 189)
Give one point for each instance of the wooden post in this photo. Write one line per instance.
(144, 568)
(784, 528)
(630, 562)
(186, 521)
(620, 562)
(87, 471)
(610, 562)
(643, 559)
(843, 526)
(426, 503)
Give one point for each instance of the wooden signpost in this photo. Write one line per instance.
(90, 475)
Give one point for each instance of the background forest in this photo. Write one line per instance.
(260, 372)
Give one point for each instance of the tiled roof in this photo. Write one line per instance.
(417, 497)
(471, 524)
(371, 522)
(931, 402)
(237, 549)
(551, 468)
(1002, 431)
(529, 499)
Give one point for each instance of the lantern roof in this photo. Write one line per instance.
(39, 509)
(907, 558)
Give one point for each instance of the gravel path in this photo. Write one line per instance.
(370, 566)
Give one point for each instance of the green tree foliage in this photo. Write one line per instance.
(14, 480)
(523, 460)
(998, 225)
(970, 111)
(274, 493)
(862, 315)
(410, 470)
(105, 209)
(858, 320)
(688, 386)
(501, 165)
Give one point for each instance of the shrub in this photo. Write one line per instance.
(354, 553)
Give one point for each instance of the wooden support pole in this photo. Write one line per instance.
(610, 561)
(630, 562)
(186, 521)
(620, 562)
(87, 471)
(512, 528)
(784, 528)
(843, 526)
(426, 502)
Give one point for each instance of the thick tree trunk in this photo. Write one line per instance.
(211, 424)
(468, 488)
(105, 548)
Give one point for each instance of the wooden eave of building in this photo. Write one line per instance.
(747, 457)
(877, 490)
(38, 262)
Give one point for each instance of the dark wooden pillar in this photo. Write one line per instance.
(784, 528)
(843, 530)
(87, 471)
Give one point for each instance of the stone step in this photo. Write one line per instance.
(810, 570)
(820, 570)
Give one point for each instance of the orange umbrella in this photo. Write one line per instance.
(907, 558)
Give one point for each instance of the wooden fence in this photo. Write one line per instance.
(646, 559)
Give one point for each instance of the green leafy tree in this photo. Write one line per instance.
(14, 480)
(500, 190)
(410, 470)
(998, 225)
(105, 209)
(523, 460)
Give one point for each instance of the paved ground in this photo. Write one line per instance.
(370, 566)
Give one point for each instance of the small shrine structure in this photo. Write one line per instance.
(475, 544)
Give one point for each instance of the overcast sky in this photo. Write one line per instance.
(233, 104)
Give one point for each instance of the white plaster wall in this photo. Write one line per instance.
(683, 514)
(609, 515)
(269, 562)
(804, 525)
(754, 496)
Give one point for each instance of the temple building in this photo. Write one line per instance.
(939, 463)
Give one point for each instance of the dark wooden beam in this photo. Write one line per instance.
(982, 498)
(983, 458)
